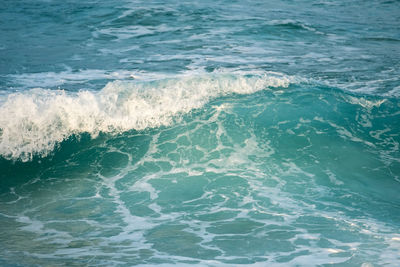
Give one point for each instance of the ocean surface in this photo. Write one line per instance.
(208, 133)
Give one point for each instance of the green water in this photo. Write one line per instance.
(207, 133)
(297, 175)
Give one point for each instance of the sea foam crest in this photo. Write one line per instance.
(35, 121)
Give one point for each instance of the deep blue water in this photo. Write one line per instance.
(211, 133)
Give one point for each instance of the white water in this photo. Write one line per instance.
(35, 121)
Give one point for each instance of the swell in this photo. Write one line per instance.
(35, 121)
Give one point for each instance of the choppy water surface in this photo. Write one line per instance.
(206, 133)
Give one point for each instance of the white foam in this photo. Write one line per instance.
(289, 22)
(52, 79)
(35, 121)
(132, 31)
(365, 103)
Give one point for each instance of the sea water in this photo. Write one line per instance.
(211, 133)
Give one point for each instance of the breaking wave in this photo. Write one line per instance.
(33, 122)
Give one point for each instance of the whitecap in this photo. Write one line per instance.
(33, 122)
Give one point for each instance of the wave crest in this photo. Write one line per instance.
(35, 121)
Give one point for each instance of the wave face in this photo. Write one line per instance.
(205, 133)
(259, 176)
(35, 121)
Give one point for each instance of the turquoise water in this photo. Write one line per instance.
(200, 133)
